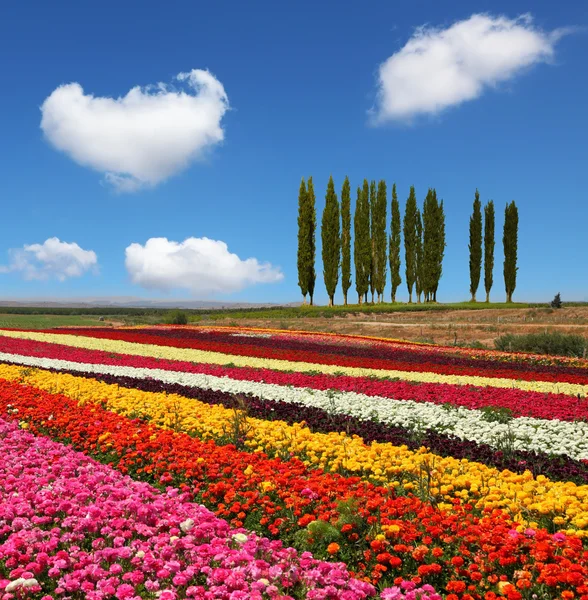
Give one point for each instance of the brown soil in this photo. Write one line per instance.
(441, 327)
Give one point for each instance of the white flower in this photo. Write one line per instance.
(187, 525)
(240, 538)
(21, 582)
(140, 554)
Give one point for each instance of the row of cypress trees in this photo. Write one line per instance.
(373, 250)
(510, 245)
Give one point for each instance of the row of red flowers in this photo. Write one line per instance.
(339, 345)
(522, 403)
(465, 554)
(417, 361)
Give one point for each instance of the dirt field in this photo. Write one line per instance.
(441, 327)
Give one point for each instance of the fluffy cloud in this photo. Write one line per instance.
(142, 138)
(440, 68)
(53, 259)
(200, 265)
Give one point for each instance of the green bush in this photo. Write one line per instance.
(549, 342)
(176, 317)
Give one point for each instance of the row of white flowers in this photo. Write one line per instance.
(551, 436)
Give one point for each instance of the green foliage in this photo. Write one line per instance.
(331, 241)
(304, 257)
(346, 239)
(439, 244)
(510, 243)
(410, 241)
(556, 302)
(419, 256)
(496, 414)
(552, 343)
(176, 317)
(373, 218)
(433, 244)
(379, 238)
(362, 242)
(488, 247)
(311, 217)
(475, 246)
(395, 225)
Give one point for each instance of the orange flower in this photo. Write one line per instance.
(333, 548)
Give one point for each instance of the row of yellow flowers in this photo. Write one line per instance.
(531, 501)
(218, 358)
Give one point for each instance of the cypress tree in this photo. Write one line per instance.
(379, 235)
(373, 219)
(488, 247)
(475, 246)
(410, 241)
(311, 217)
(419, 256)
(361, 242)
(303, 238)
(439, 244)
(346, 238)
(395, 278)
(429, 244)
(331, 241)
(510, 243)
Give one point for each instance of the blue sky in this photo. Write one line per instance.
(300, 79)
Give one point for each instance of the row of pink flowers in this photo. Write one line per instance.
(520, 402)
(72, 526)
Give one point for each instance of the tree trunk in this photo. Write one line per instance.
(311, 304)
(359, 299)
(345, 299)
(410, 297)
(330, 301)
(473, 297)
(304, 300)
(393, 297)
(487, 296)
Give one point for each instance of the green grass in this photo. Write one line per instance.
(45, 321)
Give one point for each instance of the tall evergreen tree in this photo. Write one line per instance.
(410, 241)
(303, 240)
(395, 226)
(331, 241)
(361, 242)
(379, 236)
(510, 243)
(419, 256)
(429, 244)
(475, 246)
(488, 247)
(312, 238)
(346, 238)
(438, 244)
(373, 201)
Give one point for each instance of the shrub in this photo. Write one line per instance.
(556, 302)
(176, 317)
(549, 342)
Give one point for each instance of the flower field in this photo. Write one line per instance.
(186, 462)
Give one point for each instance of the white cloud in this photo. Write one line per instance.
(440, 68)
(143, 138)
(200, 265)
(53, 259)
